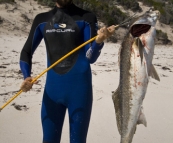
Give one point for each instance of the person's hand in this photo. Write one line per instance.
(104, 33)
(27, 85)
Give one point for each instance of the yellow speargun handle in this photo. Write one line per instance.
(58, 61)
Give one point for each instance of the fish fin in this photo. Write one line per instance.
(115, 98)
(115, 93)
(153, 73)
(141, 48)
(135, 130)
(141, 118)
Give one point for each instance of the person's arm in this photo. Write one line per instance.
(93, 50)
(34, 39)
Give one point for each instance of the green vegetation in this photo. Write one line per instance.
(105, 10)
(165, 8)
(159, 5)
(160, 35)
(50, 3)
(169, 8)
(7, 1)
(130, 4)
(108, 12)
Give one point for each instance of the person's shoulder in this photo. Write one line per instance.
(89, 14)
(43, 17)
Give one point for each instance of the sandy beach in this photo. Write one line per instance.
(20, 120)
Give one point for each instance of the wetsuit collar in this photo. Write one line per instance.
(66, 8)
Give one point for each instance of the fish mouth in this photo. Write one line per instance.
(138, 29)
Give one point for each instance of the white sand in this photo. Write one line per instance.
(24, 126)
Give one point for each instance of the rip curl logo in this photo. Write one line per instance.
(59, 25)
(62, 25)
(59, 30)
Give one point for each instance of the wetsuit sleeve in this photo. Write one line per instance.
(93, 50)
(34, 39)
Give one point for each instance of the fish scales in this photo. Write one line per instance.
(135, 61)
(125, 93)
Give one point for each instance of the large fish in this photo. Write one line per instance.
(135, 61)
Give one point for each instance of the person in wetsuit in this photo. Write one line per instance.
(68, 84)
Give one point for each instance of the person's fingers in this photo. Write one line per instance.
(26, 85)
(111, 30)
(102, 30)
(30, 79)
(104, 33)
(36, 82)
(25, 89)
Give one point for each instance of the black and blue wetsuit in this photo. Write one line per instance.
(68, 84)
